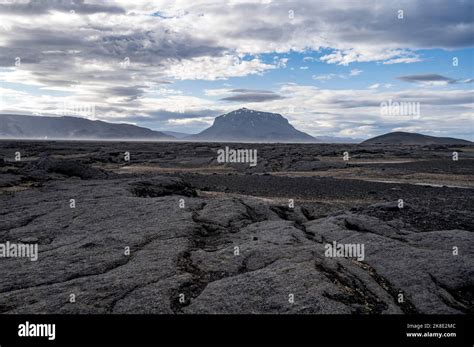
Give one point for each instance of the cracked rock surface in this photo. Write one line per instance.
(234, 251)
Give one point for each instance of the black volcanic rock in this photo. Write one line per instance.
(252, 126)
(36, 127)
(69, 168)
(161, 186)
(403, 138)
(182, 239)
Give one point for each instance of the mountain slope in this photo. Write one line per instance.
(39, 127)
(176, 134)
(252, 126)
(404, 138)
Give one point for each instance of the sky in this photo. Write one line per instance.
(334, 68)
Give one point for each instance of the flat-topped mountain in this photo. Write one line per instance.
(404, 138)
(41, 127)
(244, 125)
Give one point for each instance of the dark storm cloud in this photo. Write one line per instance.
(356, 103)
(270, 33)
(252, 95)
(445, 24)
(158, 47)
(38, 7)
(243, 90)
(426, 78)
(461, 97)
(155, 47)
(62, 57)
(255, 97)
(130, 92)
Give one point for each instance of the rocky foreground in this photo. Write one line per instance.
(158, 235)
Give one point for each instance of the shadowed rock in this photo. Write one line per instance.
(161, 186)
(68, 168)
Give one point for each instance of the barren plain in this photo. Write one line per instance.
(174, 231)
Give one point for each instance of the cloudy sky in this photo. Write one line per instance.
(330, 67)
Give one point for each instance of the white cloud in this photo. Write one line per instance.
(325, 77)
(330, 76)
(355, 72)
(356, 113)
(405, 60)
(369, 54)
(215, 68)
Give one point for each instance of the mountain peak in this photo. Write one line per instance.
(242, 110)
(245, 125)
(245, 112)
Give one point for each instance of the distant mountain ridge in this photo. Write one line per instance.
(41, 127)
(405, 138)
(244, 125)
